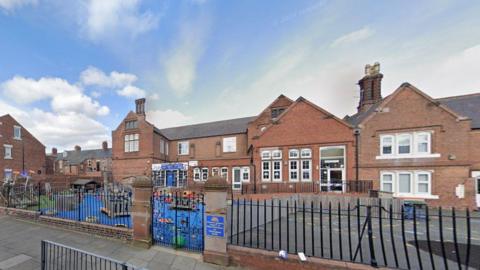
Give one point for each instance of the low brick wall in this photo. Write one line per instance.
(97, 229)
(268, 260)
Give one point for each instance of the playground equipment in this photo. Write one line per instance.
(117, 201)
(18, 191)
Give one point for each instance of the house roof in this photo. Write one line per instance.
(77, 157)
(218, 128)
(466, 106)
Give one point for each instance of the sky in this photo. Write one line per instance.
(71, 70)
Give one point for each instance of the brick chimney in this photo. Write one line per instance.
(54, 151)
(370, 87)
(140, 106)
(105, 145)
(78, 148)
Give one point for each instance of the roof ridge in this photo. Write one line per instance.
(459, 96)
(203, 123)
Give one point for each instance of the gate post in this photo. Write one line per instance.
(142, 211)
(215, 219)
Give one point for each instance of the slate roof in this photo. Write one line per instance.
(466, 105)
(77, 157)
(218, 128)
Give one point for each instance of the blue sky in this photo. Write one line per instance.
(71, 70)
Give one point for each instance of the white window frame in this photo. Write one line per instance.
(392, 182)
(410, 139)
(273, 170)
(309, 170)
(242, 174)
(293, 153)
(162, 146)
(224, 173)
(10, 151)
(229, 144)
(132, 143)
(202, 171)
(15, 129)
(186, 145)
(412, 186)
(217, 170)
(269, 170)
(277, 154)
(428, 182)
(166, 148)
(266, 155)
(306, 153)
(382, 145)
(290, 170)
(197, 174)
(417, 142)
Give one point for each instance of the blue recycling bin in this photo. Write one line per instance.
(420, 210)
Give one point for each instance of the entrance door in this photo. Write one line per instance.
(170, 179)
(335, 180)
(237, 180)
(478, 191)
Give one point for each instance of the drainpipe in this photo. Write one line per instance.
(357, 134)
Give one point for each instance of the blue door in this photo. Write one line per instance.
(170, 179)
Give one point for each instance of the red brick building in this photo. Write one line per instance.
(418, 147)
(22, 153)
(289, 141)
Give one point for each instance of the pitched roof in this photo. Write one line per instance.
(77, 157)
(466, 105)
(217, 128)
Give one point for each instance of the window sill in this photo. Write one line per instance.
(408, 156)
(7, 158)
(416, 196)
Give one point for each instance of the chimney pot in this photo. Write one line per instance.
(370, 87)
(54, 151)
(105, 145)
(78, 148)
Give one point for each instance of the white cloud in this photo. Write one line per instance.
(64, 96)
(95, 76)
(167, 118)
(131, 91)
(10, 5)
(154, 96)
(110, 17)
(353, 37)
(181, 64)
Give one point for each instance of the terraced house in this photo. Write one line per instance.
(22, 154)
(418, 147)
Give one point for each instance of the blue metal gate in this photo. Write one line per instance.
(178, 219)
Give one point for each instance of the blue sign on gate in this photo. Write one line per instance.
(215, 226)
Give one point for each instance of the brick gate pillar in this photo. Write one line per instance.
(142, 211)
(215, 233)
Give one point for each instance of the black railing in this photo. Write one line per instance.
(363, 186)
(414, 238)
(110, 206)
(58, 256)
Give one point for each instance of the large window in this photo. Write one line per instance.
(293, 170)
(8, 151)
(306, 170)
(131, 124)
(406, 145)
(17, 132)
(131, 143)
(204, 174)
(300, 164)
(272, 165)
(266, 170)
(277, 170)
(407, 183)
(229, 144)
(183, 148)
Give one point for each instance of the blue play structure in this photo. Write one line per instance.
(87, 207)
(178, 221)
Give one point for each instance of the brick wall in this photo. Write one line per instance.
(28, 150)
(96, 229)
(410, 111)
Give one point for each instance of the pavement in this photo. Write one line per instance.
(20, 248)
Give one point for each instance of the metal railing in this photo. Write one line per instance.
(109, 207)
(362, 186)
(58, 256)
(417, 237)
